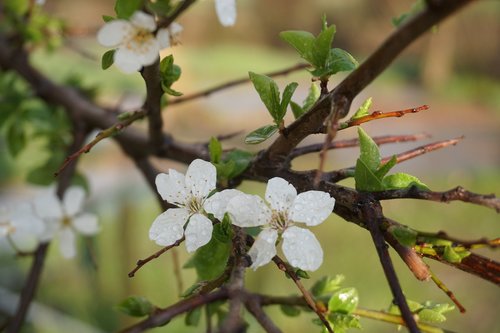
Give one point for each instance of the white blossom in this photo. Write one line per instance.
(190, 194)
(65, 218)
(21, 227)
(286, 208)
(226, 12)
(134, 40)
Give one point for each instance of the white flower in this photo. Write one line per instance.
(135, 41)
(169, 36)
(65, 218)
(300, 246)
(190, 194)
(226, 12)
(21, 227)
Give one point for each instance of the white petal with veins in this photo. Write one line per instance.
(172, 187)
(226, 12)
(167, 228)
(217, 203)
(248, 211)
(302, 249)
(264, 248)
(280, 194)
(311, 207)
(201, 177)
(198, 232)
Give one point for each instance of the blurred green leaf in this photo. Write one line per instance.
(363, 109)
(297, 110)
(215, 150)
(416, 7)
(290, 310)
(136, 306)
(210, 260)
(405, 236)
(18, 7)
(160, 7)
(312, 97)
(107, 59)
(15, 138)
(107, 18)
(261, 134)
(326, 285)
(341, 322)
(302, 274)
(241, 161)
(125, 8)
(453, 256)
(344, 301)
(193, 317)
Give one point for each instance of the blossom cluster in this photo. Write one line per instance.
(138, 41)
(194, 196)
(47, 217)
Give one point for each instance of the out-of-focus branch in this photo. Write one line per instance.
(230, 84)
(152, 104)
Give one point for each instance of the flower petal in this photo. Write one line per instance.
(264, 248)
(67, 244)
(73, 200)
(172, 187)
(143, 20)
(114, 33)
(48, 206)
(163, 38)
(201, 177)
(248, 211)
(147, 51)
(302, 249)
(127, 61)
(86, 224)
(217, 203)
(312, 207)
(23, 218)
(198, 232)
(280, 194)
(226, 12)
(167, 228)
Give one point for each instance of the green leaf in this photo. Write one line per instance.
(18, 7)
(261, 134)
(215, 150)
(342, 322)
(136, 306)
(241, 161)
(402, 180)
(370, 154)
(302, 274)
(210, 260)
(170, 91)
(363, 109)
(290, 310)
(160, 7)
(431, 316)
(170, 73)
(107, 59)
(385, 168)
(302, 41)
(452, 256)
(193, 317)
(365, 179)
(223, 231)
(340, 61)
(16, 138)
(287, 97)
(344, 301)
(107, 18)
(268, 92)
(322, 45)
(416, 7)
(326, 285)
(312, 97)
(194, 288)
(296, 109)
(405, 236)
(125, 8)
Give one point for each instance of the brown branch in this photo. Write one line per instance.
(381, 115)
(342, 96)
(371, 212)
(163, 316)
(152, 78)
(379, 140)
(283, 266)
(254, 306)
(456, 194)
(155, 255)
(210, 91)
(182, 7)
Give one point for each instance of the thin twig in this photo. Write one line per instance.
(380, 115)
(447, 291)
(379, 140)
(255, 308)
(237, 82)
(155, 255)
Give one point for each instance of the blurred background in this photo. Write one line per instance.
(455, 70)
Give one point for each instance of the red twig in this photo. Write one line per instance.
(380, 115)
(155, 255)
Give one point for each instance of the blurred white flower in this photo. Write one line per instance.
(190, 194)
(21, 227)
(136, 44)
(169, 36)
(64, 219)
(226, 12)
(300, 246)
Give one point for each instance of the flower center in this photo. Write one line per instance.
(194, 205)
(141, 36)
(66, 221)
(280, 221)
